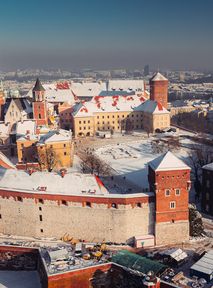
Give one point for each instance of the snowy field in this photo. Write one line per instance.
(130, 159)
(19, 279)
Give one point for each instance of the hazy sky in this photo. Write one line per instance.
(104, 34)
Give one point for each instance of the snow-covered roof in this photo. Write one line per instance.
(153, 107)
(50, 183)
(87, 89)
(108, 104)
(56, 136)
(4, 130)
(125, 85)
(208, 166)
(26, 127)
(56, 92)
(5, 162)
(158, 77)
(166, 162)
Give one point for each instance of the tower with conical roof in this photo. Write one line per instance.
(159, 89)
(169, 179)
(39, 104)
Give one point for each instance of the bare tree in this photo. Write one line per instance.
(47, 158)
(93, 164)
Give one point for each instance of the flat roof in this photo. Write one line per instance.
(205, 264)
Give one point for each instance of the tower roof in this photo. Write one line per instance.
(38, 86)
(158, 77)
(167, 161)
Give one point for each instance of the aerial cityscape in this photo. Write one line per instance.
(106, 144)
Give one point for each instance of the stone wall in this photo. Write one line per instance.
(171, 232)
(51, 218)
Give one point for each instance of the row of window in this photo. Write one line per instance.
(84, 122)
(168, 192)
(87, 204)
(118, 116)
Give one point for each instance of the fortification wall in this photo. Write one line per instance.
(88, 218)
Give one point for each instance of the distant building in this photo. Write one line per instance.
(17, 109)
(207, 189)
(146, 70)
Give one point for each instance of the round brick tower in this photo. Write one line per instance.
(159, 89)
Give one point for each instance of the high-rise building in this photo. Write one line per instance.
(146, 70)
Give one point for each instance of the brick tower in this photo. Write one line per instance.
(169, 179)
(39, 104)
(2, 100)
(159, 89)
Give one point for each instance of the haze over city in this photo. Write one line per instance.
(106, 34)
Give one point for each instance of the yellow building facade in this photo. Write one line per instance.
(118, 116)
(54, 150)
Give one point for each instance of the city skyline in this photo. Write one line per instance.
(93, 34)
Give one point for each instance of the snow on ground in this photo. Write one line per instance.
(19, 279)
(131, 159)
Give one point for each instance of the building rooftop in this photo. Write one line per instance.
(205, 264)
(158, 77)
(106, 104)
(208, 167)
(50, 183)
(25, 127)
(38, 86)
(153, 107)
(166, 162)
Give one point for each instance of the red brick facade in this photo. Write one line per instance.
(159, 92)
(170, 187)
(40, 113)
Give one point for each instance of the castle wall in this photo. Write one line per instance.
(28, 215)
(167, 232)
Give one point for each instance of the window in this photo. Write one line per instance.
(19, 199)
(88, 121)
(207, 196)
(88, 204)
(167, 192)
(51, 146)
(40, 217)
(64, 145)
(42, 230)
(97, 117)
(39, 116)
(177, 192)
(40, 209)
(172, 205)
(0, 216)
(65, 153)
(22, 145)
(84, 122)
(138, 204)
(79, 122)
(102, 117)
(84, 128)
(41, 201)
(108, 117)
(114, 205)
(64, 202)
